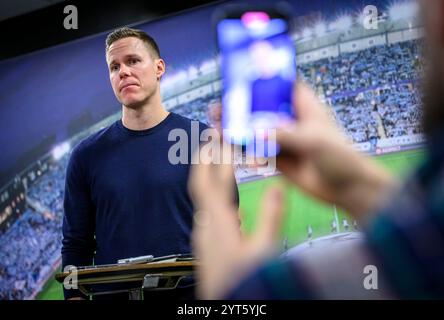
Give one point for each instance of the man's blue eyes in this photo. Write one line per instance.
(130, 62)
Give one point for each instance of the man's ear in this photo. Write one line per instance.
(160, 68)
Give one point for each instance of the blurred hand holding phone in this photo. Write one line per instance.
(258, 71)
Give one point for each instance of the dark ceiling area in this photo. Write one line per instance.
(37, 24)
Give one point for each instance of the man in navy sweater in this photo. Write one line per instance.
(123, 196)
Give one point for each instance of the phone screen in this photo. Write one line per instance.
(258, 71)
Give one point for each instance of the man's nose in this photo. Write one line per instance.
(124, 71)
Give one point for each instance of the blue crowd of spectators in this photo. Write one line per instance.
(373, 67)
(386, 112)
(373, 92)
(31, 246)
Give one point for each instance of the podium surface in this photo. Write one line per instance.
(164, 274)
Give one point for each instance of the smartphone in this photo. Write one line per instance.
(258, 69)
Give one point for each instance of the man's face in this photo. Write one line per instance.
(133, 72)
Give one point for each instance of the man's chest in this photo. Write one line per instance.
(144, 172)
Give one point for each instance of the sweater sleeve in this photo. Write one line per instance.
(78, 243)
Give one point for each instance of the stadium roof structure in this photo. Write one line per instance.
(357, 31)
(313, 32)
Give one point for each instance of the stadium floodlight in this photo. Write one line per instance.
(343, 23)
(172, 80)
(403, 10)
(320, 29)
(307, 33)
(181, 76)
(360, 18)
(296, 36)
(208, 66)
(167, 82)
(59, 151)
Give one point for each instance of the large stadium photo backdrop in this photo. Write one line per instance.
(53, 98)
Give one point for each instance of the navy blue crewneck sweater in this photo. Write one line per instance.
(121, 187)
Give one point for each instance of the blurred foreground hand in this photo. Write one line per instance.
(316, 157)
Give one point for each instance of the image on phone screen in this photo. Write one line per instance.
(258, 71)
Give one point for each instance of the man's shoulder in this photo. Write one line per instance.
(182, 121)
(94, 140)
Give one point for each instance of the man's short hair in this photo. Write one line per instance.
(126, 32)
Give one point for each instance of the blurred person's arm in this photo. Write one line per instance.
(214, 116)
(225, 255)
(78, 244)
(317, 159)
(398, 256)
(235, 266)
